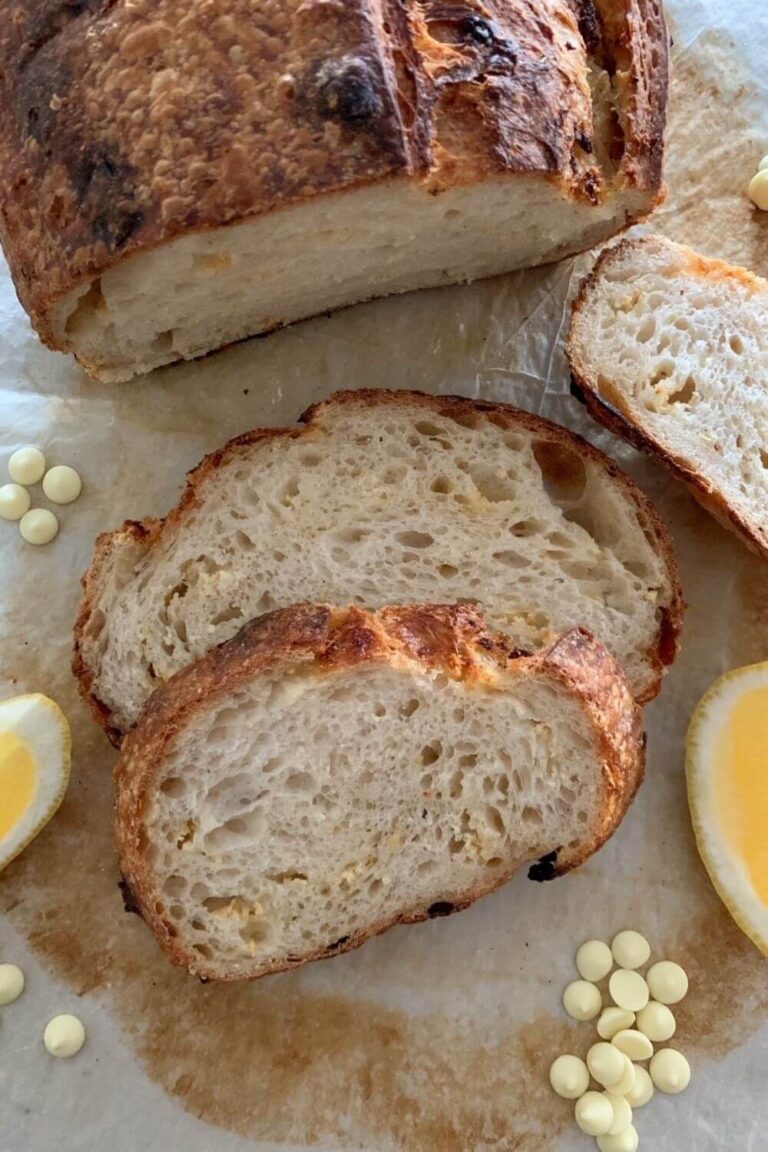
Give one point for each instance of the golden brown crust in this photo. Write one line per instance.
(124, 125)
(450, 639)
(143, 536)
(607, 405)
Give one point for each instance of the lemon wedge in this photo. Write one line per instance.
(34, 769)
(727, 775)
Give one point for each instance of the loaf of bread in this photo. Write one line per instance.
(176, 175)
(329, 773)
(669, 350)
(384, 497)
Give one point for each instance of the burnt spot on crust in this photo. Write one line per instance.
(545, 868)
(589, 23)
(48, 18)
(478, 29)
(129, 900)
(440, 908)
(669, 629)
(338, 944)
(115, 229)
(346, 90)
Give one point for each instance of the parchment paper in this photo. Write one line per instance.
(435, 1038)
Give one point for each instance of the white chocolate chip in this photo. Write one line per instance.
(569, 1077)
(38, 526)
(667, 981)
(628, 990)
(670, 1071)
(633, 1044)
(62, 484)
(763, 164)
(594, 960)
(11, 983)
(594, 1114)
(642, 1092)
(622, 1114)
(626, 1141)
(657, 1022)
(758, 190)
(582, 1000)
(64, 1036)
(612, 1020)
(630, 949)
(14, 501)
(605, 1063)
(627, 1082)
(26, 465)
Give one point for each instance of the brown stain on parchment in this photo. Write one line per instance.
(713, 148)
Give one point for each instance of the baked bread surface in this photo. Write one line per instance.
(328, 773)
(125, 126)
(384, 497)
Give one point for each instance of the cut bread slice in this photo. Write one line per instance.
(328, 773)
(669, 350)
(383, 497)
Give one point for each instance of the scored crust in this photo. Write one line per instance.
(450, 639)
(612, 411)
(125, 125)
(141, 536)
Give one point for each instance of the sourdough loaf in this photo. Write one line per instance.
(668, 349)
(383, 497)
(329, 773)
(179, 174)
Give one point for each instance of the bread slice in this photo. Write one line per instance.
(330, 772)
(177, 178)
(669, 350)
(383, 497)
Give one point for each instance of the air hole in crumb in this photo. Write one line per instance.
(441, 485)
(379, 710)
(174, 787)
(243, 541)
(736, 344)
(430, 753)
(685, 394)
(562, 471)
(511, 559)
(300, 782)
(452, 214)
(409, 707)
(447, 571)
(531, 815)
(414, 539)
(174, 886)
(764, 457)
(524, 528)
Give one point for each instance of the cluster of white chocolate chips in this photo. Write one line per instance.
(61, 485)
(63, 1036)
(637, 1018)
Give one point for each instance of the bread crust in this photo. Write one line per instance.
(616, 416)
(126, 125)
(451, 640)
(142, 536)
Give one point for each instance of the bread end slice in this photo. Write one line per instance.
(329, 773)
(667, 349)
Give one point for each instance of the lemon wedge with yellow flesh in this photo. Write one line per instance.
(727, 774)
(34, 769)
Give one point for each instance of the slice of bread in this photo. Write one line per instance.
(328, 773)
(669, 351)
(383, 497)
